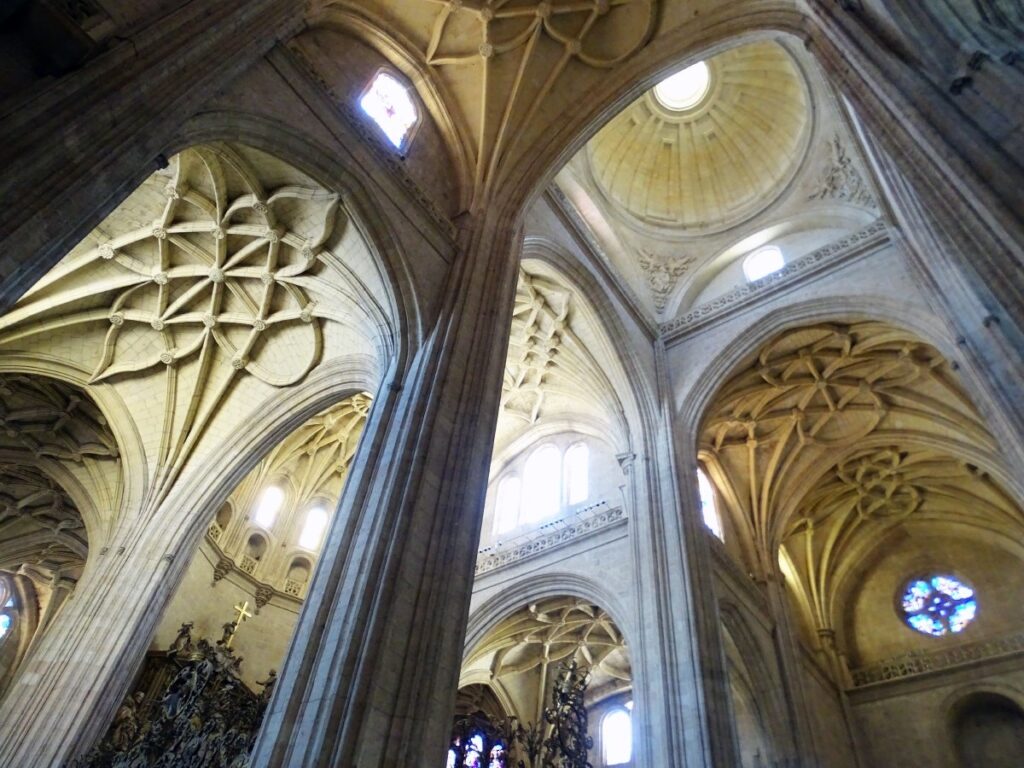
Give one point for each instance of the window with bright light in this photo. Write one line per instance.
(709, 505)
(542, 484)
(617, 737)
(269, 505)
(763, 262)
(938, 605)
(577, 473)
(685, 89)
(389, 103)
(313, 529)
(7, 600)
(506, 505)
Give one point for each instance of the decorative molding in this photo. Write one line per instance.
(923, 662)
(663, 273)
(492, 558)
(844, 250)
(841, 181)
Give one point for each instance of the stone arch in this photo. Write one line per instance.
(131, 453)
(545, 585)
(1001, 743)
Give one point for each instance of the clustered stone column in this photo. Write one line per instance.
(371, 674)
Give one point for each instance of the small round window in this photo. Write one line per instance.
(938, 605)
(685, 89)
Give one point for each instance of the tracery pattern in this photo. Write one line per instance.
(213, 270)
(938, 605)
(836, 435)
(544, 37)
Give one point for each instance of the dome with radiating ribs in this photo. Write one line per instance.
(716, 162)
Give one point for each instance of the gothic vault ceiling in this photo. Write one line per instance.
(833, 438)
(519, 657)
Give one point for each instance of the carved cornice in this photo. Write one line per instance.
(919, 663)
(493, 558)
(844, 250)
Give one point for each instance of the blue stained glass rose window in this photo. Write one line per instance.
(938, 605)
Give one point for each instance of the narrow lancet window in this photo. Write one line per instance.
(313, 530)
(709, 505)
(577, 473)
(269, 505)
(506, 505)
(617, 737)
(542, 484)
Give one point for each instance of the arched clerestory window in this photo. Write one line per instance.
(269, 505)
(542, 484)
(507, 503)
(577, 473)
(617, 737)
(763, 262)
(709, 505)
(313, 528)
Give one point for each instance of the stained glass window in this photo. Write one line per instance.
(617, 737)
(388, 102)
(313, 529)
(763, 262)
(506, 506)
(270, 502)
(577, 479)
(5, 624)
(938, 605)
(542, 484)
(708, 505)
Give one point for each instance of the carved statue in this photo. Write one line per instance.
(125, 729)
(268, 687)
(183, 641)
(229, 632)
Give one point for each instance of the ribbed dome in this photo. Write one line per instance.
(717, 163)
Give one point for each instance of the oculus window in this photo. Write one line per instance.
(269, 505)
(938, 605)
(763, 262)
(685, 89)
(390, 105)
(617, 737)
(709, 505)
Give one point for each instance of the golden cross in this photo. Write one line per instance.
(231, 628)
(243, 612)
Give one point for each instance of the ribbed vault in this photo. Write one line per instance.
(835, 435)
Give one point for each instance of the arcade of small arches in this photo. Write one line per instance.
(403, 392)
